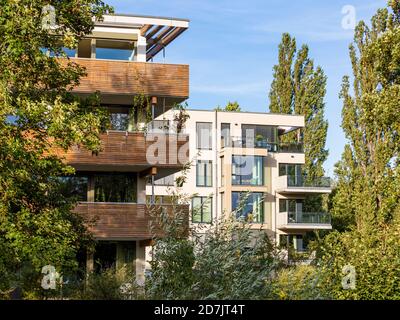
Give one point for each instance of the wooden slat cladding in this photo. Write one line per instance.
(126, 77)
(134, 149)
(122, 220)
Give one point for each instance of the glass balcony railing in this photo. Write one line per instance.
(295, 147)
(240, 142)
(302, 181)
(309, 217)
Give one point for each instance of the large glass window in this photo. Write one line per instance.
(290, 169)
(247, 170)
(201, 209)
(114, 50)
(291, 205)
(74, 186)
(204, 135)
(115, 188)
(259, 136)
(248, 206)
(225, 134)
(204, 173)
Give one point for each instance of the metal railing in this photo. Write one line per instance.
(309, 217)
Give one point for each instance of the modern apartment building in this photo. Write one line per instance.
(240, 158)
(111, 186)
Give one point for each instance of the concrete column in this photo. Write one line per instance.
(141, 49)
(141, 189)
(140, 262)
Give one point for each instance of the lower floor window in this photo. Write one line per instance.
(201, 209)
(249, 206)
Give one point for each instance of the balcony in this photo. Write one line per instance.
(123, 221)
(299, 184)
(132, 151)
(112, 77)
(239, 142)
(295, 147)
(303, 221)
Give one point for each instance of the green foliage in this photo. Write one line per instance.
(230, 261)
(366, 202)
(375, 255)
(37, 113)
(230, 107)
(302, 282)
(299, 88)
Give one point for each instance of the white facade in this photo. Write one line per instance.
(272, 186)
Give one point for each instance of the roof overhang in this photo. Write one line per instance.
(158, 31)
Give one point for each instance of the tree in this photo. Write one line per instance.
(299, 88)
(37, 114)
(367, 200)
(230, 107)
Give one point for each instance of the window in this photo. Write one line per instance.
(74, 186)
(204, 136)
(247, 170)
(259, 136)
(119, 121)
(204, 173)
(291, 205)
(225, 134)
(248, 205)
(201, 209)
(290, 169)
(115, 188)
(114, 50)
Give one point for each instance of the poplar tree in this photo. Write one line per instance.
(366, 203)
(299, 88)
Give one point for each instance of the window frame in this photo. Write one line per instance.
(205, 163)
(199, 136)
(203, 199)
(240, 176)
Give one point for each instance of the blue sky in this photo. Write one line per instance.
(231, 47)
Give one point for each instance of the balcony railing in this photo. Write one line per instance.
(126, 220)
(302, 181)
(240, 142)
(309, 217)
(131, 78)
(132, 149)
(163, 126)
(287, 220)
(291, 147)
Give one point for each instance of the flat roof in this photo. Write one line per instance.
(158, 31)
(252, 112)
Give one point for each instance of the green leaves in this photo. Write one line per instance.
(38, 113)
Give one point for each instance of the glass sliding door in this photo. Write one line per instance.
(115, 187)
(248, 170)
(248, 206)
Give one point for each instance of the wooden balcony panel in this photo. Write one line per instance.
(129, 78)
(129, 149)
(121, 220)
